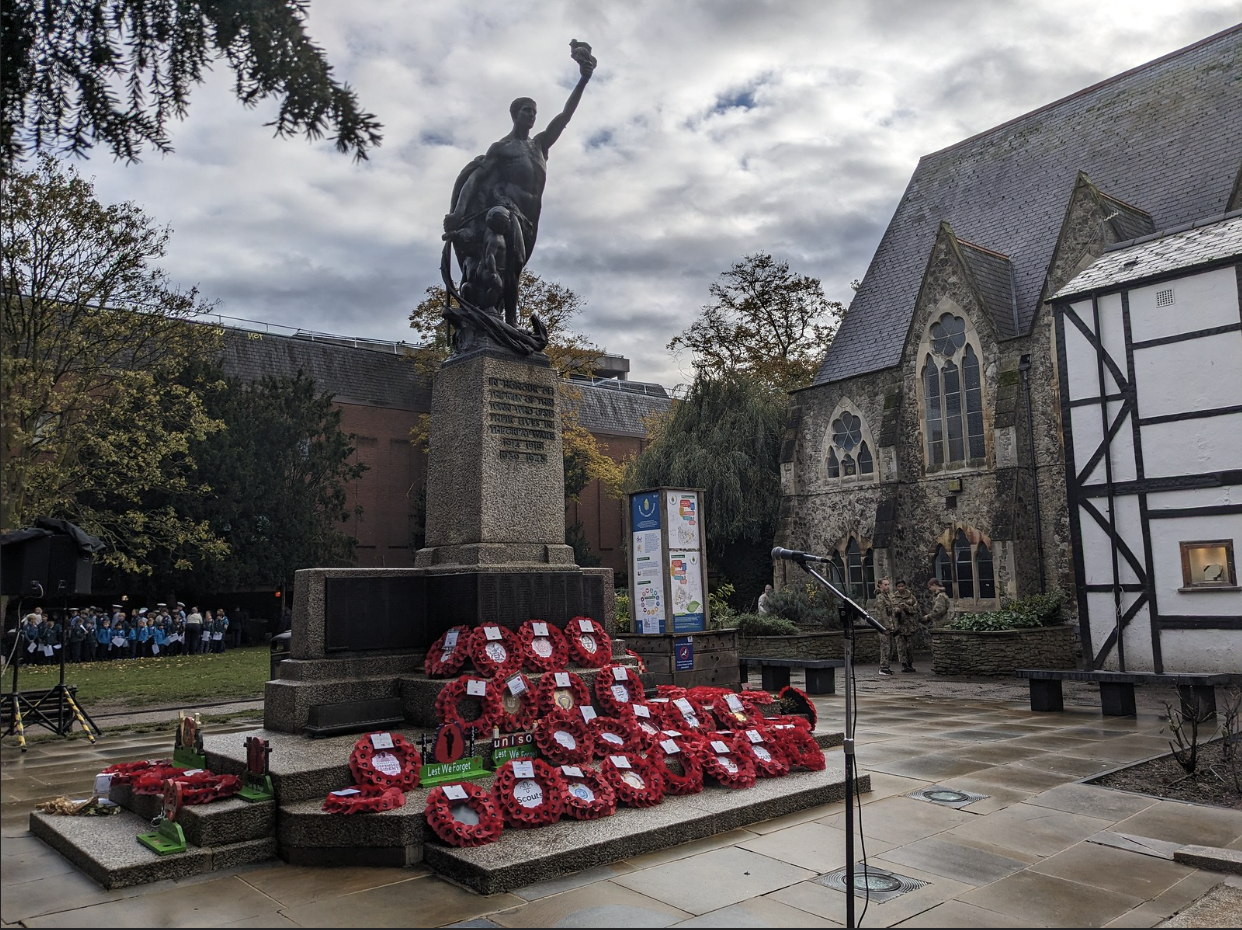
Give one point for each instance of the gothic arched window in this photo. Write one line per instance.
(952, 396)
(966, 570)
(849, 456)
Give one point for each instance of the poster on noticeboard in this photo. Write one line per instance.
(668, 569)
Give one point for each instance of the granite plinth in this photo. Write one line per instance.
(107, 849)
(229, 820)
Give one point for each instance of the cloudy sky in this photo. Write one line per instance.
(712, 129)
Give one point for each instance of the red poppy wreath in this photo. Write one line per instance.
(463, 814)
(646, 724)
(799, 702)
(529, 793)
(124, 773)
(722, 762)
(495, 651)
(799, 746)
(636, 779)
(364, 799)
(767, 755)
(543, 646)
(682, 714)
(617, 686)
(470, 702)
(386, 760)
(562, 738)
(610, 735)
(587, 795)
(589, 645)
(562, 691)
(683, 772)
(518, 702)
(449, 653)
(198, 786)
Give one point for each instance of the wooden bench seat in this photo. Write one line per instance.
(1197, 690)
(820, 673)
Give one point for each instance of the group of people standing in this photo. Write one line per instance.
(92, 634)
(899, 611)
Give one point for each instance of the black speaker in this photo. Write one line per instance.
(45, 566)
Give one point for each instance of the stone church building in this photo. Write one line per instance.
(930, 442)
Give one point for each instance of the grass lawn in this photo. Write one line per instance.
(233, 674)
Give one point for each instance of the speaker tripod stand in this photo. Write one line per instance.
(56, 709)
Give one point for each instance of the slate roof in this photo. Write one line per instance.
(352, 374)
(1130, 263)
(619, 407)
(993, 276)
(1165, 137)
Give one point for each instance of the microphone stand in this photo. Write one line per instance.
(849, 610)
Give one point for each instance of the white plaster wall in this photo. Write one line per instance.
(1166, 538)
(1097, 548)
(1201, 650)
(1080, 356)
(1195, 497)
(1087, 432)
(1136, 636)
(1192, 447)
(1113, 338)
(1201, 301)
(1198, 374)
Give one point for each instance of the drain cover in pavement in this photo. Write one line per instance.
(875, 884)
(949, 797)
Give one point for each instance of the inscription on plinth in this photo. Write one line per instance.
(522, 414)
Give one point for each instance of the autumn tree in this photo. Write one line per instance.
(76, 73)
(724, 436)
(765, 322)
(278, 475)
(93, 418)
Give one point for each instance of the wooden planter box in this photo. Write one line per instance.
(825, 645)
(713, 652)
(1000, 654)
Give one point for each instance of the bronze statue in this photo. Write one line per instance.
(493, 222)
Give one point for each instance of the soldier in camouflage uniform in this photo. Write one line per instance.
(938, 616)
(906, 613)
(882, 610)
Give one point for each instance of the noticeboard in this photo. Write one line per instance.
(668, 568)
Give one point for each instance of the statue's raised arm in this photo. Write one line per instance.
(493, 222)
(581, 53)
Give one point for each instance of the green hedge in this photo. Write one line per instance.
(764, 625)
(1035, 610)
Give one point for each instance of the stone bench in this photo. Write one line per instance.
(1196, 689)
(820, 673)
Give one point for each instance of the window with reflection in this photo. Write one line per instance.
(849, 456)
(965, 569)
(952, 396)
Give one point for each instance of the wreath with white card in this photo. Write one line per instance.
(562, 737)
(518, 703)
(587, 795)
(449, 653)
(470, 702)
(725, 764)
(364, 799)
(682, 770)
(463, 814)
(798, 744)
(766, 753)
(589, 645)
(495, 650)
(561, 690)
(387, 760)
(617, 686)
(609, 735)
(543, 646)
(529, 793)
(636, 779)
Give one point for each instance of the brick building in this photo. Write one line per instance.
(382, 395)
(930, 442)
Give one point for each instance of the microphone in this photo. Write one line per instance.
(796, 556)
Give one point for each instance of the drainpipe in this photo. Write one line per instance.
(1024, 368)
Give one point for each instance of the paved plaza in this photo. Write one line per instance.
(1033, 846)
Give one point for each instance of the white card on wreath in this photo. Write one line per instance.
(669, 746)
(455, 792)
(588, 712)
(619, 673)
(539, 629)
(585, 625)
(755, 736)
(720, 747)
(640, 710)
(572, 771)
(562, 679)
(684, 706)
(523, 768)
(345, 792)
(735, 703)
(516, 685)
(620, 762)
(492, 633)
(476, 687)
(381, 741)
(450, 640)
